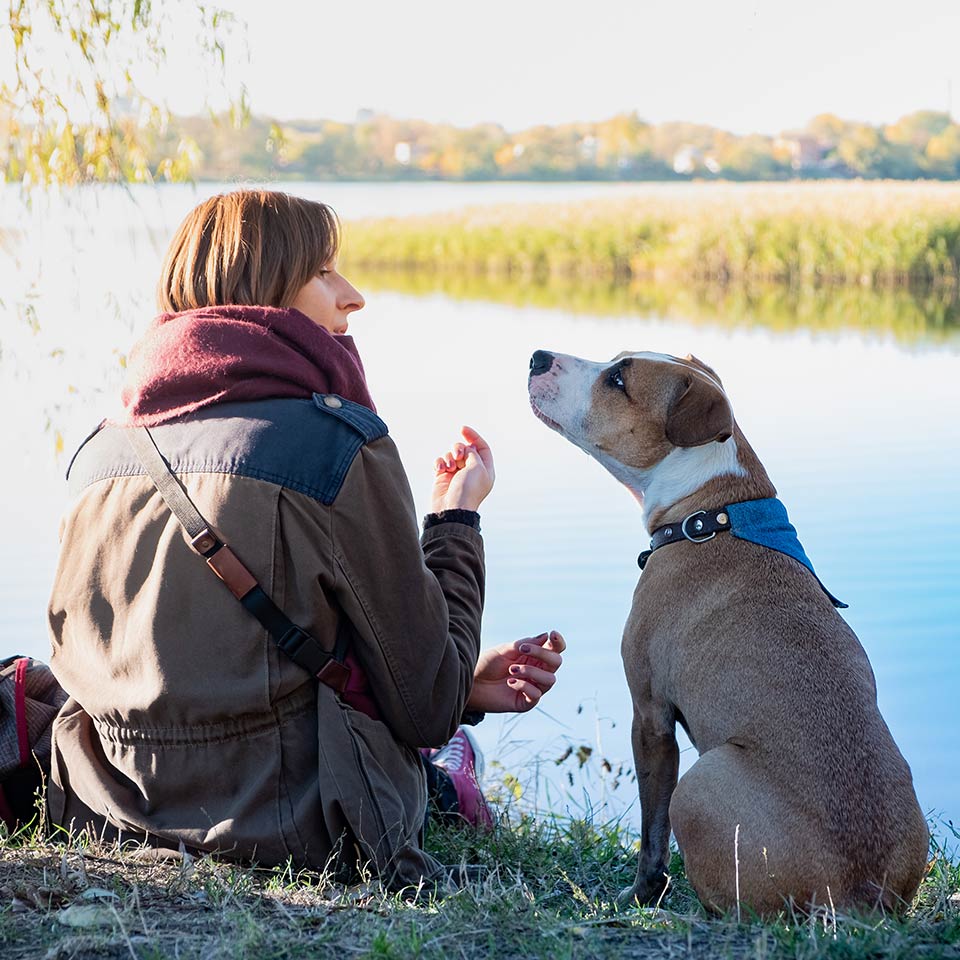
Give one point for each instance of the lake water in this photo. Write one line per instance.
(858, 429)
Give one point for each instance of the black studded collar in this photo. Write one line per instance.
(764, 522)
(699, 527)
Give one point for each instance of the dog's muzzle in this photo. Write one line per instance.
(540, 362)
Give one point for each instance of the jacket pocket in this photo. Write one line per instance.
(380, 792)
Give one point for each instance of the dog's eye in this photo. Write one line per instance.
(615, 379)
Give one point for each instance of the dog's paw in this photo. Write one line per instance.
(645, 891)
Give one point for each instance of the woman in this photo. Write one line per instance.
(192, 718)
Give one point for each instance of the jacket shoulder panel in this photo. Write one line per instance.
(361, 418)
(303, 445)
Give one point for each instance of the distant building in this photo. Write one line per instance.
(712, 163)
(802, 150)
(588, 149)
(686, 159)
(402, 152)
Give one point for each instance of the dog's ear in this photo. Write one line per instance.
(697, 362)
(700, 413)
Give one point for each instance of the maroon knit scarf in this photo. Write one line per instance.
(198, 358)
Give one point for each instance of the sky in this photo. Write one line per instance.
(743, 66)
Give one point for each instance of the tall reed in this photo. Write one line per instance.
(863, 233)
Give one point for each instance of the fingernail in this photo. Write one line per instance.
(525, 648)
(512, 680)
(514, 669)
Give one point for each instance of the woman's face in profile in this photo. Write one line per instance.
(328, 299)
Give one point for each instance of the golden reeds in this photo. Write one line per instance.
(864, 233)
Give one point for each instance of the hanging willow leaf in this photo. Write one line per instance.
(71, 108)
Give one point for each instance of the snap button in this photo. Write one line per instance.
(333, 402)
(721, 518)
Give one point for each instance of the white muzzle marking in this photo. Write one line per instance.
(561, 398)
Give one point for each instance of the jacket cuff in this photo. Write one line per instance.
(470, 718)
(468, 517)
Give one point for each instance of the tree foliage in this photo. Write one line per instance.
(380, 147)
(76, 87)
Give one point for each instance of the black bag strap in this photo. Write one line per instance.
(295, 642)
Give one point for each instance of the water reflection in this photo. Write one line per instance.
(912, 316)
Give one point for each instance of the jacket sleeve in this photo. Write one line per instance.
(415, 605)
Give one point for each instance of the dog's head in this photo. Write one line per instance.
(651, 419)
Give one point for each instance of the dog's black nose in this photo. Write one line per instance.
(540, 362)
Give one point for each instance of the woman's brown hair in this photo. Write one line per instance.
(255, 247)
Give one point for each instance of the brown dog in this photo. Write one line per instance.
(800, 793)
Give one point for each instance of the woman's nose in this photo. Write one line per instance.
(350, 299)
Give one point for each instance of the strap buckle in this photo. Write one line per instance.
(335, 675)
(227, 566)
(206, 542)
(304, 650)
(691, 537)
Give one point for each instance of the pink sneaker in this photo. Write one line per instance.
(462, 760)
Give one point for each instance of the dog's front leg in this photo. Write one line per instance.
(656, 759)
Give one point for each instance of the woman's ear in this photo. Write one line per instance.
(700, 414)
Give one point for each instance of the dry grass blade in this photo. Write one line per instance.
(549, 890)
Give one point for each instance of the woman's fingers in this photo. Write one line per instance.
(474, 438)
(545, 648)
(480, 445)
(543, 657)
(556, 642)
(454, 459)
(529, 692)
(458, 456)
(542, 679)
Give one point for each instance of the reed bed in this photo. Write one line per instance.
(856, 233)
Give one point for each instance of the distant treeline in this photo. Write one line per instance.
(925, 144)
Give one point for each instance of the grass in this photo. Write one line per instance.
(549, 892)
(852, 233)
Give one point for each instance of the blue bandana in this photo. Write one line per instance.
(765, 522)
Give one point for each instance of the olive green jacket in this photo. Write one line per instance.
(185, 723)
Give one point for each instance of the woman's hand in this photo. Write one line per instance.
(463, 477)
(512, 677)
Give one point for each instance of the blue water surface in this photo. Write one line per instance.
(858, 431)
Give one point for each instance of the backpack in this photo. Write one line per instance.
(30, 698)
